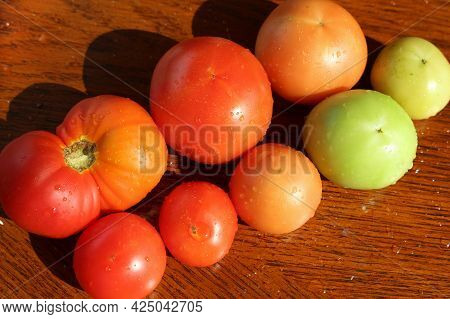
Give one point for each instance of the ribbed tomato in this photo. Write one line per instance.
(107, 155)
(117, 142)
(40, 192)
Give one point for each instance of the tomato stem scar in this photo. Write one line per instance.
(80, 155)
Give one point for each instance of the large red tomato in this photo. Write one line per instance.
(119, 256)
(198, 223)
(107, 155)
(211, 99)
(275, 188)
(311, 49)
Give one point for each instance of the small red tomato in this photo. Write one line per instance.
(119, 256)
(211, 99)
(198, 223)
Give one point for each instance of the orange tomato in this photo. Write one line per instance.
(311, 49)
(116, 141)
(275, 188)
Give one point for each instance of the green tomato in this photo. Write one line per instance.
(416, 74)
(360, 139)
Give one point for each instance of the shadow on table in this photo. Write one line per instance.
(41, 106)
(121, 62)
(57, 256)
(3, 214)
(373, 48)
(237, 20)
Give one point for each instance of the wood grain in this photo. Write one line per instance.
(391, 243)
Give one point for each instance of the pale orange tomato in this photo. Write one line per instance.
(311, 49)
(275, 188)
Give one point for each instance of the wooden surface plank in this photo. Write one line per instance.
(393, 242)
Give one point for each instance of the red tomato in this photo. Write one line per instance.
(211, 99)
(40, 192)
(311, 49)
(108, 155)
(275, 188)
(198, 223)
(119, 256)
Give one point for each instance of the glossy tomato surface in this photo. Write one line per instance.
(40, 193)
(416, 74)
(211, 99)
(198, 223)
(311, 49)
(361, 139)
(129, 153)
(275, 188)
(119, 256)
(107, 155)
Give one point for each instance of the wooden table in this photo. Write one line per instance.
(393, 242)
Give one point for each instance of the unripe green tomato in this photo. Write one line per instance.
(360, 139)
(416, 74)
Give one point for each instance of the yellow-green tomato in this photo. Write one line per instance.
(275, 188)
(416, 74)
(360, 139)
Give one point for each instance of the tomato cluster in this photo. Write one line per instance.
(211, 101)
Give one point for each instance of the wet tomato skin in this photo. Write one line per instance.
(106, 156)
(131, 155)
(275, 188)
(40, 193)
(198, 223)
(211, 98)
(119, 256)
(311, 49)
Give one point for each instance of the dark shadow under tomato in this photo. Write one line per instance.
(57, 256)
(121, 62)
(374, 47)
(236, 20)
(41, 106)
(3, 214)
